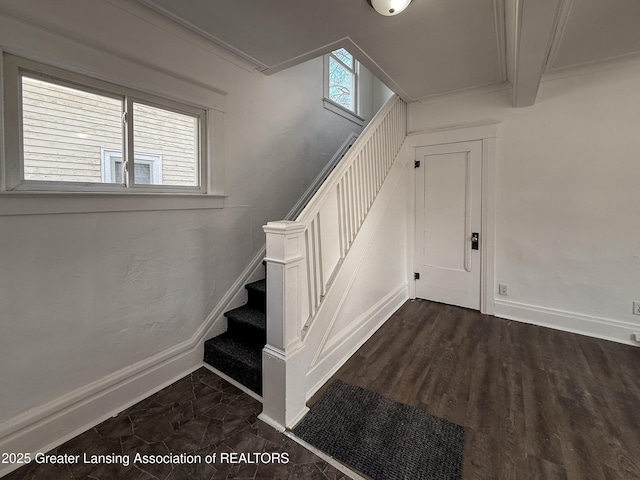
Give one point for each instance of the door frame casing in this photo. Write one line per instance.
(487, 133)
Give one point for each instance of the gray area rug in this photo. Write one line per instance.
(381, 438)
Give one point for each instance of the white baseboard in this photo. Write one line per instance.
(278, 426)
(592, 326)
(296, 420)
(42, 428)
(351, 339)
(271, 422)
(45, 427)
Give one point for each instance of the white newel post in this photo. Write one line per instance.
(283, 375)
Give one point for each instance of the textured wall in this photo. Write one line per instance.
(83, 296)
(567, 193)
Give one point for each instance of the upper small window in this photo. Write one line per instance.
(341, 85)
(70, 132)
(343, 79)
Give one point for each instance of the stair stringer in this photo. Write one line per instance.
(371, 283)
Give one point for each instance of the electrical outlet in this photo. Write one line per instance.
(635, 337)
(502, 289)
(636, 308)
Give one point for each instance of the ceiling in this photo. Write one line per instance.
(434, 47)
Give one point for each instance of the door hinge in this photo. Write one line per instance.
(416, 164)
(416, 276)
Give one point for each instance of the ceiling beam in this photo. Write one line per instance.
(535, 25)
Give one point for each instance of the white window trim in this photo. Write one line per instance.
(12, 169)
(343, 112)
(335, 107)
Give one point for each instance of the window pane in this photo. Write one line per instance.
(143, 172)
(340, 84)
(344, 56)
(169, 142)
(64, 130)
(116, 170)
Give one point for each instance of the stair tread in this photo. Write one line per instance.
(248, 315)
(240, 361)
(260, 285)
(237, 349)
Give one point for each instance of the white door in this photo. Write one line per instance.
(448, 217)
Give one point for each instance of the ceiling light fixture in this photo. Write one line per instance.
(389, 7)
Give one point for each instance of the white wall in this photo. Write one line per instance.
(85, 297)
(381, 93)
(372, 93)
(567, 235)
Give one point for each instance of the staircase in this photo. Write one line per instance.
(315, 259)
(343, 194)
(238, 352)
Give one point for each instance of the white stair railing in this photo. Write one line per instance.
(304, 256)
(333, 217)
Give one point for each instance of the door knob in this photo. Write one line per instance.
(475, 240)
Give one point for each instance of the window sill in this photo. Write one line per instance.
(50, 203)
(343, 112)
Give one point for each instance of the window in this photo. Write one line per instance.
(342, 79)
(65, 131)
(147, 171)
(341, 84)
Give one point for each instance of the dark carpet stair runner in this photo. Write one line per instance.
(238, 352)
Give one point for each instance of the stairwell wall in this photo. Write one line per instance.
(101, 307)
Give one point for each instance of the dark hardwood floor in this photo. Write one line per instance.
(536, 403)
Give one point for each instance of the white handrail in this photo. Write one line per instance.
(333, 217)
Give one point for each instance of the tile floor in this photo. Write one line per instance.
(200, 414)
